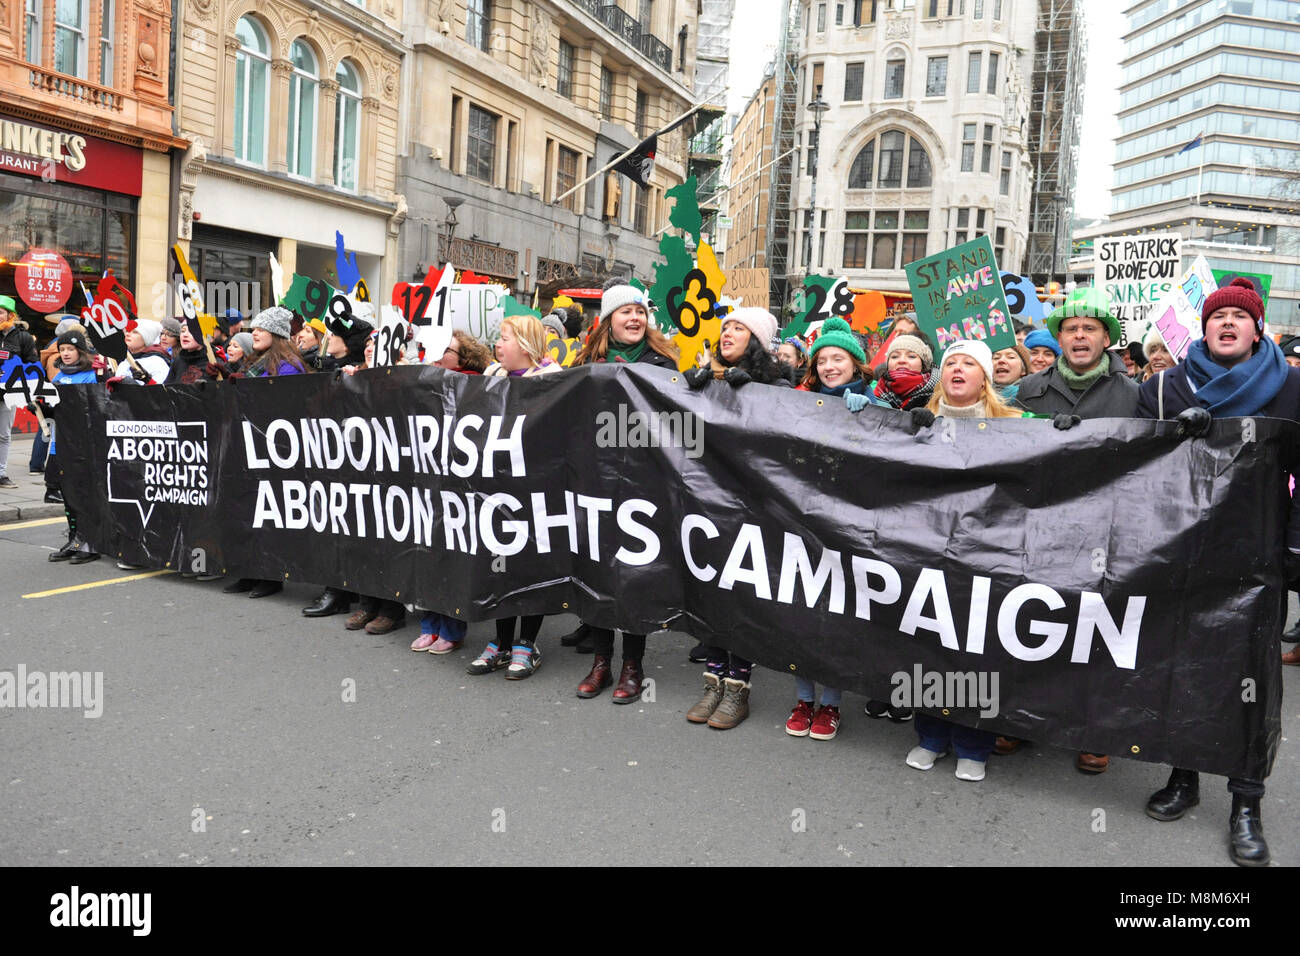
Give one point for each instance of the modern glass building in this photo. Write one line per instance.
(1209, 142)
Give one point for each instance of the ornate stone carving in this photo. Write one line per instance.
(398, 217)
(539, 45)
(147, 46)
(899, 27)
(232, 44)
(205, 9)
(191, 164)
(389, 82)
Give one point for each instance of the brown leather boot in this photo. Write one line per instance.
(734, 707)
(597, 680)
(630, 677)
(707, 704)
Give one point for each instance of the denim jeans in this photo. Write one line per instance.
(807, 690)
(6, 422)
(444, 626)
(937, 735)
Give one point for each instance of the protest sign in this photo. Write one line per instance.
(1136, 272)
(1111, 643)
(24, 383)
(477, 308)
(1022, 300)
(1262, 281)
(390, 345)
(1178, 314)
(958, 294)
(750, 286)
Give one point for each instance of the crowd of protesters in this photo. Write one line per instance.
(1067, 371)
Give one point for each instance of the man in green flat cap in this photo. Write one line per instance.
(15, 340)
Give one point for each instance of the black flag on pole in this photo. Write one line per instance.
(640, 163)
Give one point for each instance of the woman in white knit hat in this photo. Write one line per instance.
(966, 388)
(743, 353)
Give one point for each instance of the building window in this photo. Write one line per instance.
(252, 64)
(481, 154)
(967, 147)
(453, 153)
(973, 65)
(839, 14)
(70, 37)
(645, 14)
(916, 229)
(1004, 181)
(564, 72)
(894, 72)
(478, 23)
(641, 211)
(963, 223)
(890, 147)
(932, 8)
(606, 95)
(566, 177)
(642, 112)
(986, 157)
(864, 11)
(979, 9)
(106, 27)
(853, 82)
(999, 241)
(993, 73)
(813, 138)
(857, 237)
(936, 76)
(918, 166)
(33, 31)
(303, 84)
(884, 240)
(347, 127)
(997, 9)
(821, 18)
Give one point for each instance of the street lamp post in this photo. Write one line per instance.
(449, 224)
(818, 108)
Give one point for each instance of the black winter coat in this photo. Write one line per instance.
(1112, 396)
(18, 341)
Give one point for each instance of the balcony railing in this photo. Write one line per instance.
(69, 87)
(621, 23)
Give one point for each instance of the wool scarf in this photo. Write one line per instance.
(1241, 390)
(1080, 383)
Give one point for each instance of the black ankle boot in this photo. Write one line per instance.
(576, 636)
(1246, 843)
(1180, 794)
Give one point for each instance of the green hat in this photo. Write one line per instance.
(1089, 303)
(836, 332)
(7, 302)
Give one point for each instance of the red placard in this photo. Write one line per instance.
(43, 279)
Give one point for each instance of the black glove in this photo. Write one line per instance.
(1064, 422)
(1193, 422)
(697, 376)
(735, 377)
(922, 418)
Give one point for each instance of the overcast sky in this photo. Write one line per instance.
(754, 35)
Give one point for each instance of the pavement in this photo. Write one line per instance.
(27, 501)
(236, 732)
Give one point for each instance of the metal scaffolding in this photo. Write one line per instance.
(1056, 119)
(786, 107)
(712, 63)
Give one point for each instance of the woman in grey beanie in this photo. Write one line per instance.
(240, 351)
(275, 353)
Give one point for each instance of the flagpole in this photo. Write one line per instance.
(671, 126)
(1200, 170)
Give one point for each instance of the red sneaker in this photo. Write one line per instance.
(825, 723)
(800, 721)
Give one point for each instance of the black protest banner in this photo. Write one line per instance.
(1121, 590)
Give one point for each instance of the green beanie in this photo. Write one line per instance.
(7, 302)
(1089, 303)
(836, 332)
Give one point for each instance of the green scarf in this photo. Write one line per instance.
(1081, 383)
(627, 353)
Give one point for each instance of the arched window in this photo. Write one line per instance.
(252, 66)
(303, 86)
(347, 127)
(896, 152)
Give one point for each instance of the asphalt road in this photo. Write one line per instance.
(226, 716)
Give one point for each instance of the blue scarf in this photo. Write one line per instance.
(1241, 390)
